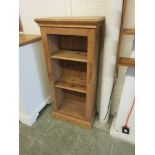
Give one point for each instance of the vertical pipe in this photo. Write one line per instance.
(107, 66)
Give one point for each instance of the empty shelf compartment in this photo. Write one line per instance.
(70, 75)
(71, 103)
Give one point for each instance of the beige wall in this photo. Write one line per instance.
(31, 9)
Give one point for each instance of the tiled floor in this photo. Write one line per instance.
(52, 137)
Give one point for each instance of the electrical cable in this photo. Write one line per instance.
(126, 123)
(112, 93)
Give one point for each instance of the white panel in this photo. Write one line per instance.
(22, 108)
(33, 82)
(126, 102)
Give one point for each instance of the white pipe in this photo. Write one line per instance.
(107, 66)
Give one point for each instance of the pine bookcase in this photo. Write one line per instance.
(71, 47)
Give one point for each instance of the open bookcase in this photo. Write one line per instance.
(71, 48)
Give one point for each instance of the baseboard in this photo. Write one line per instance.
(117, 134)
(31, 119)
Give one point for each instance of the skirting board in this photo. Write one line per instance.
(30, 120)
(117, 134)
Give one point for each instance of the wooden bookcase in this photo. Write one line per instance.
(71, 48)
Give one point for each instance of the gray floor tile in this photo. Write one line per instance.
(38, 129)
(52, 137)
(58, 138)
(122, 148)
(25, 144)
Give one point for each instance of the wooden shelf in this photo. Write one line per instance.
(128, 32)
(71, 83)
(128, 62)
(73, 107)
(70, 55)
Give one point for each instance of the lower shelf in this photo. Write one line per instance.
(73, 108)
(71, 83)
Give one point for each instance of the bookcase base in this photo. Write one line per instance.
(73, 120)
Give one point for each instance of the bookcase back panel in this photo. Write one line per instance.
(65, 42)
(74, 43)
(69, 70)
(74, 69)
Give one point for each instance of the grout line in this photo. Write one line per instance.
(44, 131)
(112, 148)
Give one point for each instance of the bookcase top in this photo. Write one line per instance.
(83, 20)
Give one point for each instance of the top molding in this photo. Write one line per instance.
(83, 21)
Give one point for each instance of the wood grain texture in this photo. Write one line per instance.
(47, 54)
(73, 108)
(83, 21)
(25, 39)
(70, 55)
(72, 48)
(94, 49)
(71, 83)
(73, 120)
(128, 31)
(124, 31)
(20, 25)
(127, 62)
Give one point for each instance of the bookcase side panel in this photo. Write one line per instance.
(49, 65)
(92, 67)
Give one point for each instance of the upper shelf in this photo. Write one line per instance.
(128, 62)
(70, 55)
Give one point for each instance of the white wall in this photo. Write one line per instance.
(30, 9)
